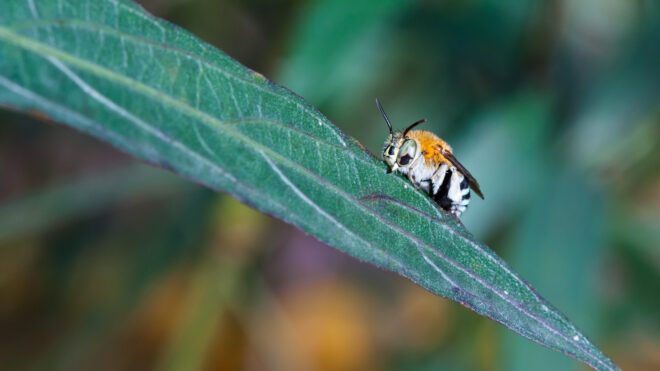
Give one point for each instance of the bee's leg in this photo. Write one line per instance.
(414, 181)
(438, 169)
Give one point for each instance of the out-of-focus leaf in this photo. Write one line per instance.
(157, 92)
(334, 48)
(607, 123)
(131, 264)
(506, 139)
(555, 253)
(63, 202)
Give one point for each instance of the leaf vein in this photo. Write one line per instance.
(97, 96)
(189, 55)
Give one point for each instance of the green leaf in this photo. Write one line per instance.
(155, 91)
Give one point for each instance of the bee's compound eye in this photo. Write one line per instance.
(407, 152)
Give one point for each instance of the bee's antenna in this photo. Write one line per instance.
(387, 120)
(413, 125)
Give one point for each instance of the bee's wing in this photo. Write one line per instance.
(470, 179)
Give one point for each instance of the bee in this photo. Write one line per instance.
(430, 165)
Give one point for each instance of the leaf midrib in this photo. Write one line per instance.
(130, 82)
(204, 117)
(95, 27)
(310, 110)
(41, 48)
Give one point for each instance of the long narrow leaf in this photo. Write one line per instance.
(108, 68)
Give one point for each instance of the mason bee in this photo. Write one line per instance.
(429, 163)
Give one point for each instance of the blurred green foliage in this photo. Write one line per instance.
(553, 105)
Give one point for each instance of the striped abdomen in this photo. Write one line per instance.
(450, 189)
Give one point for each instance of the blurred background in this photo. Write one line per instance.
(554, 106)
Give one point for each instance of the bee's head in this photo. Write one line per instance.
(399, 150)
(392, 148)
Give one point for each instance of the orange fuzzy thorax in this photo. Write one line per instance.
(432, 147)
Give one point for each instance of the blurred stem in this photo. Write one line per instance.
(61, 203)
(215, 285)
(216, 296)
(218, 293)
